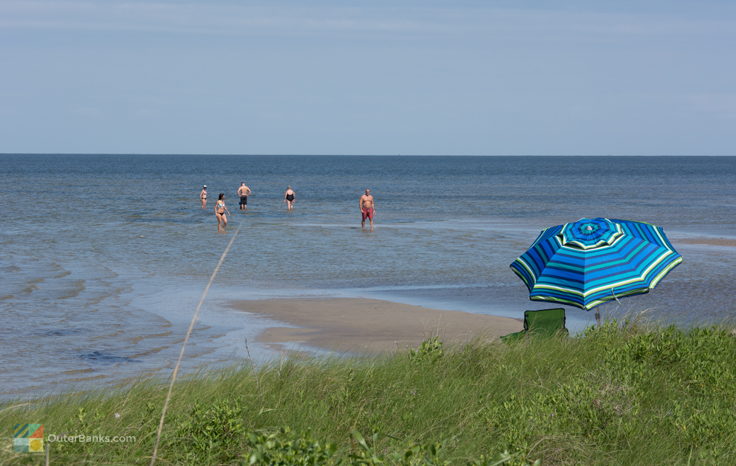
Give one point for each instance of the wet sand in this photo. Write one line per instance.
(709, 241)
(369, 325)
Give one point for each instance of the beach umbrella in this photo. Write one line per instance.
(592, 261)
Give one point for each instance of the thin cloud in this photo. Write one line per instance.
(204, 18)
(722, 104)
(237, 18)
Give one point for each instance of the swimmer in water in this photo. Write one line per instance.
(203, 196)
(289, 198)
(243, 191)
(221, 212)
(367, 206)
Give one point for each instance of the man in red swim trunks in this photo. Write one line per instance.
(367, 207)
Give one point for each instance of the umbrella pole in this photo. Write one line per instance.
(598, 317)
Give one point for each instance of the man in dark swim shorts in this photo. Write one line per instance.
(243, 192)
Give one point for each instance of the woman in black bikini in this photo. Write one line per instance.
(220, 212)
(289, 197)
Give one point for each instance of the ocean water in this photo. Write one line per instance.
(104, 257)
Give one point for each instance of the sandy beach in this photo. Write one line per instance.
(708, 241)
(369, 325)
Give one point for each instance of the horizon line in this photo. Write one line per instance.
(359, 155)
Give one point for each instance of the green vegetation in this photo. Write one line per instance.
(614, 395)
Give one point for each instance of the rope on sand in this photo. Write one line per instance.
(195, 317)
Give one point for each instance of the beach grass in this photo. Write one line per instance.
(616, 394)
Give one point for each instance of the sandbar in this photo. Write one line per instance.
(709, 241)
(358, 325)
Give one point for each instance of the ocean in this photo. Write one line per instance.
(104, 257)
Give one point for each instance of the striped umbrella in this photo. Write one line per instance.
(592, 261)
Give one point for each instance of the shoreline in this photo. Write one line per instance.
(707, 241)
(368, 326)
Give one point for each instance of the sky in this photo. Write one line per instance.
(569, 77)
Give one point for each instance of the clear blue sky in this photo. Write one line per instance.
(370, 77)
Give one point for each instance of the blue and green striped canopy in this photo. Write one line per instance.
(592, 261)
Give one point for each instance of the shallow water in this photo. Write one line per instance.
(105, 257)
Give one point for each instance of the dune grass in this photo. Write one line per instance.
(618, 394)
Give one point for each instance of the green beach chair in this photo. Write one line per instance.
(544, 322)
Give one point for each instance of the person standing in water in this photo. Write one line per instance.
(203, 196)
(289, 198)
(243, 192)
(221, 212)
(367, 206)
